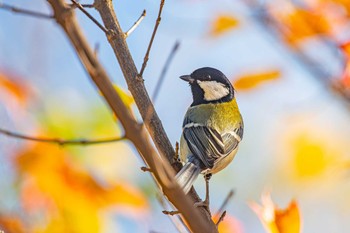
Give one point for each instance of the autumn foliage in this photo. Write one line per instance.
(55, 188)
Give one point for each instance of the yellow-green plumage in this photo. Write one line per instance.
(220, 116)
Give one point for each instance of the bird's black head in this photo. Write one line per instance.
(209, 85)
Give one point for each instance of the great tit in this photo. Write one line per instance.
(212, 128)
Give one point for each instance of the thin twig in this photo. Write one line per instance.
(146, 169)
(138, 21)
(80, 7)
(88, 5)
(177, 221)
(152, 38)
(226, 201)
(177, 148)
(164, 71)
(172, 213)
(59, 141)
(161, 80)
(221, 218)
(25, 11)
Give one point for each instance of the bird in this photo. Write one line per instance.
(212, 128)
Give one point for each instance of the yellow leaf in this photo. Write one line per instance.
(249, 81)
(277, 220)
(310, 157)
(125, 96)
(222, 24)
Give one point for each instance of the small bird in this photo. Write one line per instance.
(212, 128)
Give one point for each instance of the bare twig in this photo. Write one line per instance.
(146, 169)
(225, 202)
(221, 218)
(88, 5)
(80, 7)
(164, 70)
(177, 221)
(174, 212)
(152, 38)
(177, 148)
(138, 21)
(96, 49)
(25, 11)
(59, 141)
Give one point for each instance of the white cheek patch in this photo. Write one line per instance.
(213, 90)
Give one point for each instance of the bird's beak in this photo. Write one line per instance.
(187, 78)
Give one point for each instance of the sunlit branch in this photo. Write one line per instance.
(81, 8)
(221, 218)
(164, 71)
(144, 64)
(59, 141)
(138, 21)
(25, 11)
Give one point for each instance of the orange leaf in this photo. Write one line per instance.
(222, 24)
(345, 47)
(230, 224)
(249, 81)
(346, 75)
(14, 87)
(296, 24)
(11, 224)
(62, 190)
(277, 220)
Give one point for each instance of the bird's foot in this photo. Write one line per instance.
(204, 204)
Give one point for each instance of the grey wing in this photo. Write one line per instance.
(208, 145)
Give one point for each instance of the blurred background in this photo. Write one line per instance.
(289, 63)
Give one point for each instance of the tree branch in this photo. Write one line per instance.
(164, 70)
(144, 64)
(138, 21)
(137, 134)
(81, 8)
(25, 11)
(59, 141)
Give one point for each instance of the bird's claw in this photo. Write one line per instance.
(204, 204)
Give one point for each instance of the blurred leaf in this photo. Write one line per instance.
(345, 79)
(229, 225)
(296, 23)
(312, 157)
(14, 86)
(249, 81)
(66, 194)
(277, 220)
(343, 3)
(11, 224)
(222, 24)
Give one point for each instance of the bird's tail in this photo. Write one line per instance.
(187, 175)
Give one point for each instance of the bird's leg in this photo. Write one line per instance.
(205, 203)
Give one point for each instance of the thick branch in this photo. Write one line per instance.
(135, 83)
(161, 169)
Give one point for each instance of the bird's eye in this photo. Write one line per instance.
(208, 77)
